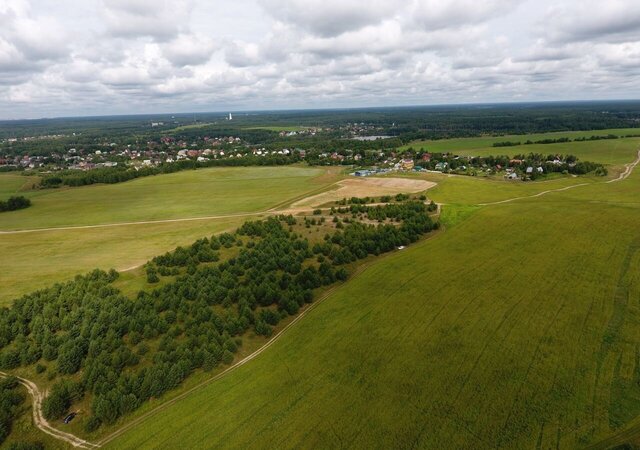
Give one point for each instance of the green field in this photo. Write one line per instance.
(487, 141)
(200, 193)
(278, 128)
(13, 184)
(56, 255)
(517, 328)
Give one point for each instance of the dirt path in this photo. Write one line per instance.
(355, 187)
(243, 361)
(627, 171)
(144, 222)
(625, 174)
(39, 420)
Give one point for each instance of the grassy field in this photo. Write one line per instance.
(279, 128)
(488, 141)
(516, 328)
(200, 193)
(56, 255)
(13, 183)
(61, 254)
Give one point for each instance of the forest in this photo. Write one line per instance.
(91, 340)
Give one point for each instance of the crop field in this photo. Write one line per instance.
(516, 328)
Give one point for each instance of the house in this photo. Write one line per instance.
(426, 157)
(529, 170)
(511, 176)
(441, 166)
(540, 169)
(407, 164)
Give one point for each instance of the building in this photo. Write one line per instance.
(407, 164)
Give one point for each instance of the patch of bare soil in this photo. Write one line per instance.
(365, 187)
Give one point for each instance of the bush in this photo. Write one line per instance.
(92, 424)
(15, 203)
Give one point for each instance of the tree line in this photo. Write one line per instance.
(112, 175)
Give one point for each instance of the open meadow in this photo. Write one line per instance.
(56, 255)
(600, 150)
(515, 328)
(199, 193)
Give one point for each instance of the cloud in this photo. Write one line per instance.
(158, 19)
(122, 56)
(437, 14)
(328, 18)
(189, 50)
(590, 20)
(28, 41)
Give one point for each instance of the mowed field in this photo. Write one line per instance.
(199, 193)
(518, 327)
(36, 259)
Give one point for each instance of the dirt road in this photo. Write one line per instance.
(41, 422)
(625, 174)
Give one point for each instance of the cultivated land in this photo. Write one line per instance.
(514, 328)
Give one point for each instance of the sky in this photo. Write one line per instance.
(101, 57)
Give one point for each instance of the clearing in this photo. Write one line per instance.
(365, 187)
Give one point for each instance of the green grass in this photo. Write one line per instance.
(60, 255)
(488, 141)
(187, 127)
(198, 193)
(57, 255)
(517, 328)
(13, 183)
(279, 128)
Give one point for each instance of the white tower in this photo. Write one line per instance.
(230, 116)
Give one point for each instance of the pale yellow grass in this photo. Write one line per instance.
(365, 187)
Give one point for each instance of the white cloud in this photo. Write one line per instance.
(123, 56)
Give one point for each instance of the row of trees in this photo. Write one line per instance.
(112, 175)
(10, 401)
(14, 203)
(123, 353)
